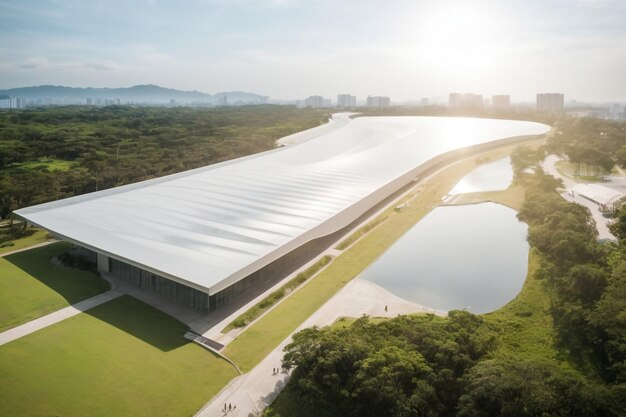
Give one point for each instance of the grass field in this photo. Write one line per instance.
(582, 172)
(525, 325)
(512, 197)
(38, 236)
(265, 334)
(31, 286)
(47, 163)
(122, 358)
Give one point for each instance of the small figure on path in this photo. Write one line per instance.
(386, 309)
(229, 407)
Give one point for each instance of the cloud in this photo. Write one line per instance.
(594, 4)
(103, 66)
(34, 63)
(150, 55)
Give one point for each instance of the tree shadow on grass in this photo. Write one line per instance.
(141, 321)
(72, 284)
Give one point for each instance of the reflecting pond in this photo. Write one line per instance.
(493, 176)
(472, 257)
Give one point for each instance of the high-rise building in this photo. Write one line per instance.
(346, 100)
(7, 102)
(501, 101)
(222, 100)
(315, 102)
(554, 102)
(378, 101)
(465, 101)
(455, 100)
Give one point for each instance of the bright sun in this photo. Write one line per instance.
(458, 41)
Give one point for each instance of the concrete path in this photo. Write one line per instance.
(38, 245)
(57, 316)
(549, 167)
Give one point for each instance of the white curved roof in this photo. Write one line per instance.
(598, 193)
(211, 226)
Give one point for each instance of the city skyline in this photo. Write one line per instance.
(289, 49)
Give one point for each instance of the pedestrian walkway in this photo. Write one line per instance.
(57, 316)
(38, 245)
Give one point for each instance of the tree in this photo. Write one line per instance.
(524, 388)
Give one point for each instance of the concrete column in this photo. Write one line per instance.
(103, 263)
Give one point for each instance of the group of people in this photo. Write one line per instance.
(229, 407)
(276, 370)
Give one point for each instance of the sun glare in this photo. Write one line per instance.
(458, 41)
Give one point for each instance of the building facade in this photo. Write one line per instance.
(465, 101)
(551, 102)
(501, 101)
(346, 101)
(378, 101)
(315, 102)
(7, 103)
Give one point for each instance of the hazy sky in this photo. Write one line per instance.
(295, 48)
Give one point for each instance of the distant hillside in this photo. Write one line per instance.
(138, 93)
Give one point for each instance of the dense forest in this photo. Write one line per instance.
(469, 365)
(52, 153)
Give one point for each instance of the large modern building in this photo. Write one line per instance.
(315, 102)
(7, 102)
(501, 101)
(378, 101)
(208, 235)
(346, 101)
(552, 102)
(465, 101)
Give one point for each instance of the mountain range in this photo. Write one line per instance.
(148, 93)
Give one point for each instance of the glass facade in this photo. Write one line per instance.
(143, 279)
(86, 254)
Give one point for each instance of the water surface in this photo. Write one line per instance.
(494, 176)
(472, 257)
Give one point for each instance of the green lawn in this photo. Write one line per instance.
(31, 286)
(38, 236)
(512, 197)
(580, 172)
(122, 358)
(47, 163)
(264, 335)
